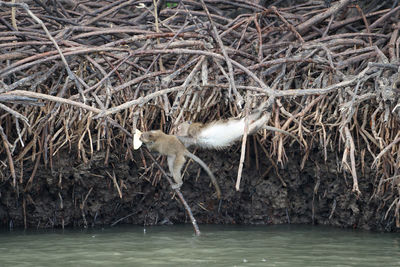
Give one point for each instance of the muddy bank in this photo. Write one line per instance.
(74, 194)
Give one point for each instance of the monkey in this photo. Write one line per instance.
(170, 146)
(219, 134)
(223, 133)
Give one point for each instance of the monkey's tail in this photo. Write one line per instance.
(205, 167)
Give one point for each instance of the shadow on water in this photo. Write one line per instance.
(285, 245)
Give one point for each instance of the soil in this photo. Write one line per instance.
(73, 193)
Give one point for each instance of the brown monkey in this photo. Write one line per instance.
(219, 134)
(170, 146)
(223, 133)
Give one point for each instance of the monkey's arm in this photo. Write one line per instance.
(261, 124)
(271, 128)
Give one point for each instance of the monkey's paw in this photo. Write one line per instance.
(176, 186)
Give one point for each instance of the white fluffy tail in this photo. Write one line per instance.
(221, 135)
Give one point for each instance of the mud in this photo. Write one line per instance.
(74, 194)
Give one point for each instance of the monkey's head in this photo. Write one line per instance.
(183, 128)
(150, 136)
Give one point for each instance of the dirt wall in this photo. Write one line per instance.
(73, 194)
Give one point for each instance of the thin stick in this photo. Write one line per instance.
(53, 99)
(16, 114)
(239, 100)
(114, 179)
(9, 156)
(178, 193)
(70, 73)
(243, 149)
(386, 149)
(350, 145)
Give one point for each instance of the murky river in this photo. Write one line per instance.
(217, 246)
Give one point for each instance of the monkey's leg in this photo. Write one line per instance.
(187, 141)
(170, 160)
(175, 174)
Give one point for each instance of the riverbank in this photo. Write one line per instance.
(84, 195)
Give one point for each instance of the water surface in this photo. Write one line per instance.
(217, 246)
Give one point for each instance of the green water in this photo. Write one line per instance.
(217, 246)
